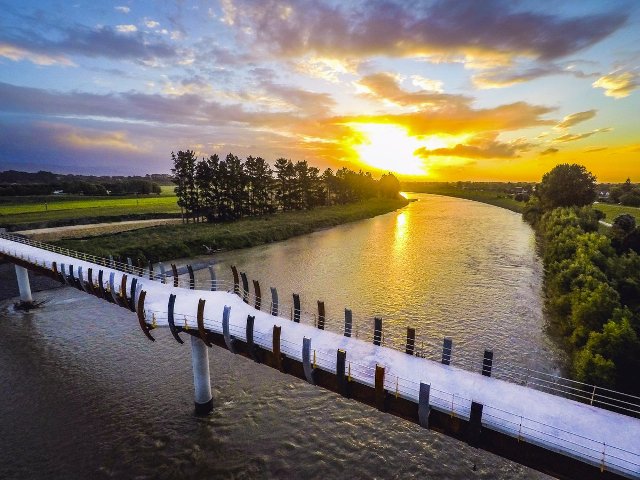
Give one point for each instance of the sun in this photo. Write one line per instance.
(389, 147)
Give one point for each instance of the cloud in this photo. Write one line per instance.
(571, 137)
(487, 32)
(550, 151)
(151, 23)
(122, 9)
(69, 148)
(618, 84)
(513, 74)
(433, 113)
(300, 117)
(309, 103)
(575, 118)
(126, 28)
(329, 69)
(595, 149)
(106, 42)
(17, 53)
(481, 146)
(427, 84)
(91, 140)
(385, 86)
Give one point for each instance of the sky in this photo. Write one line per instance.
(431, 90)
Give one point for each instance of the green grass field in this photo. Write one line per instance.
(492, 198)
(181, 241)
(60, 210)
(612, 211)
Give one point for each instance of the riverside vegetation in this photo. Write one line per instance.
(235, 204)
(592, 280)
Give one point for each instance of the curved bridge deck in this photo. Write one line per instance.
(555, 435)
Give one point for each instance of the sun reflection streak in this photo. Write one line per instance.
(400, 233)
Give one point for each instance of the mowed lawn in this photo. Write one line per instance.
(27, 210)
(612, 211)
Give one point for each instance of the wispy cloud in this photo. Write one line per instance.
(123, 42)
(122, 9)
(550, 151)
(575, 118)
(619, 84)
(386, 86)
(17, 53)
(480, 146)
(572, 137)
(126, 28)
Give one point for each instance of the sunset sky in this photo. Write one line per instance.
(432, 90)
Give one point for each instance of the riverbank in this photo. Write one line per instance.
(184, 241)
(484, 196)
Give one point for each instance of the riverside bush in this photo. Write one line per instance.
(592, 293)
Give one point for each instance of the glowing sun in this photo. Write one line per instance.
(388, 147)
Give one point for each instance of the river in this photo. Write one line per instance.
(86, 394)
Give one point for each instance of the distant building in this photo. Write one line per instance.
(58, 192)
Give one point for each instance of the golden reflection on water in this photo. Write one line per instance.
(400, 233)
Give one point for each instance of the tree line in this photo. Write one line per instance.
(626, 194)
(592, 279)
(218, 189)
(16, 183)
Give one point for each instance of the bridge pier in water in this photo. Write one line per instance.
(201, 378)
(22, 274)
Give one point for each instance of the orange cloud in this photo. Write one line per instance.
(618, 84)
(87, 139)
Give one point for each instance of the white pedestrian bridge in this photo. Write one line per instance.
(555, 425)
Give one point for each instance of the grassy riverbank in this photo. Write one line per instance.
(17, 213)
(180, 241)
(491, 197)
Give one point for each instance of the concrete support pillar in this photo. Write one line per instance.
(22, 274)
(201, 379)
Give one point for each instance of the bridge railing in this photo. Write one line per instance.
(525, 429)
(364, 328)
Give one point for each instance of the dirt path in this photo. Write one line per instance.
(94, 229)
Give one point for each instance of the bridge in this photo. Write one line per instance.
(560, 427)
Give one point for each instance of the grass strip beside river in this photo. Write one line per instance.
(484, 196)
(183, 241)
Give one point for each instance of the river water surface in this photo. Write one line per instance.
(84, 393)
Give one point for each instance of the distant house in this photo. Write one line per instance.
(58, 192)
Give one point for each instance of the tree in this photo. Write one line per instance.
(285, 185)
(631, 198)
(207, 181)
(624, 222)
(389, 186)
(567, 185)
(260, 184)
(184, 177)
(238, 194)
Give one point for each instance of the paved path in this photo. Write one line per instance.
(93, 229)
